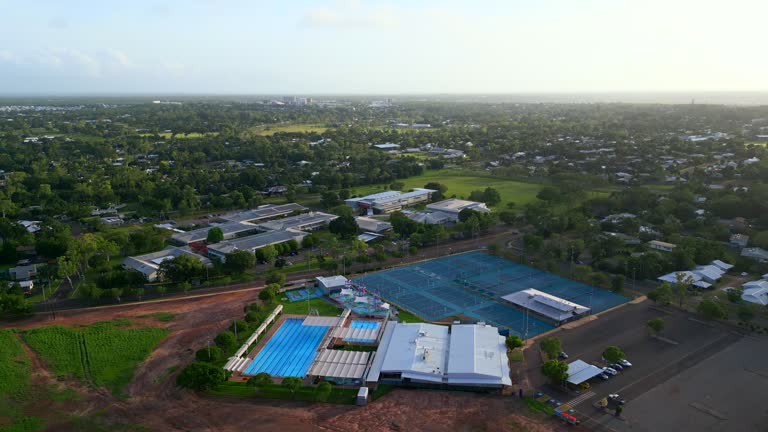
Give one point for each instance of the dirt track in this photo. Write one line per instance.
(158, 404)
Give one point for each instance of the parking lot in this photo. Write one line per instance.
(725, 392)
(655, 361)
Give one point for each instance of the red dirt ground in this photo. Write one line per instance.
(156, 403)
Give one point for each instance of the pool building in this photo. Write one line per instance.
(356, 351)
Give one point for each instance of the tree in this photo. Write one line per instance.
(439, 188)
(275, 277)
(226, 340)
(182, 268)
(551, 346)
(656, 325)
(711, 310)
(734, 294)
(322, 391)
(514, 342)
(209, 354)
(201, 376)
(555, 370)
(344, 226)
(292, 384)
(215, 235)
(66, 267)
(239, 261)
(260, 381)
(617, 284)
(267, 296)
(661, 294)
(266, 254)
(613, 354)
(684, 282)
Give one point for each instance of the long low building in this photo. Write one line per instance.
(251, 243)
(263, 213)
(149, 264)
(304, 222)
(230, 230)
(454, 206)
(547, 305)
(463, 355)
(390, 201)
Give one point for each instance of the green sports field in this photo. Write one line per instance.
(461, 183)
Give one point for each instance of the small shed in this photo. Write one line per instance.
(362, 396)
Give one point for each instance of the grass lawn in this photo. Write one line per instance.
(323, 307)
(167, 135)
(408, 316)
(101, 354)
(516, 355)
(160, 316)
(537, 406)
(288, 128)
(462, 182)
(48, 292)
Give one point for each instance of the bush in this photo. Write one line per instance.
(242, 327)
(276, 278)
(514, 342)
(253, 317)
(201, 376)
(209, 354)
(226, 340)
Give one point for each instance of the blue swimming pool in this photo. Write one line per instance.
(290, 351)
(365, 325)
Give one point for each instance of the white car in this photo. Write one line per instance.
(625, 363)
(610, 371)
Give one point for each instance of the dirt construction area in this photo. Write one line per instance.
(155, 402)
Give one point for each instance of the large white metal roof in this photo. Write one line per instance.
(477, 354)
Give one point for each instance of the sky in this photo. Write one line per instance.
(381, 47)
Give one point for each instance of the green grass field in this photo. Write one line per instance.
(300, 307)
(408, 316)
(461, 183)
(15, 368)
(160, 316)
(102, 354)
(286, 128)
(167, 135)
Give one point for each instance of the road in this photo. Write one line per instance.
(500, 235)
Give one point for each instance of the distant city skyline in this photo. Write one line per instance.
(396, 47)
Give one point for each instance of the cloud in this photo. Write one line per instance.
(62, 61)
(351, 14)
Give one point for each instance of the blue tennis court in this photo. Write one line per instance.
(290, 351)
(471, 284)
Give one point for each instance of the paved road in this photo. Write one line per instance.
(500, 235)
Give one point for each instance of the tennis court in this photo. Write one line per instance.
(471, 284)
(290, 351)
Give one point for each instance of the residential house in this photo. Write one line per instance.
(661, 246)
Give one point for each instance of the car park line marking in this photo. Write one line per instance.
(674, 364)
(582, 398)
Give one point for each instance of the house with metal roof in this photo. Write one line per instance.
(149, 264)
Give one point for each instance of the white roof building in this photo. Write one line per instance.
(331, 283)
(580, 371)
(372, 225)
(550, 306)
(722, 265)
(696, 278)
(454, 206)
(149, 264)
(462, 355)
(756, 295)
(709, 273)
(478, 356)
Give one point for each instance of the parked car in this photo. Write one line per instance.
(616, 366)
(610, 371)
(562, 355)
(603, 376)
(625, 363)
(615, 398)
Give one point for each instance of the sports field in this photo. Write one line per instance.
(471, 284)
(461, 183)
(286, 128)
